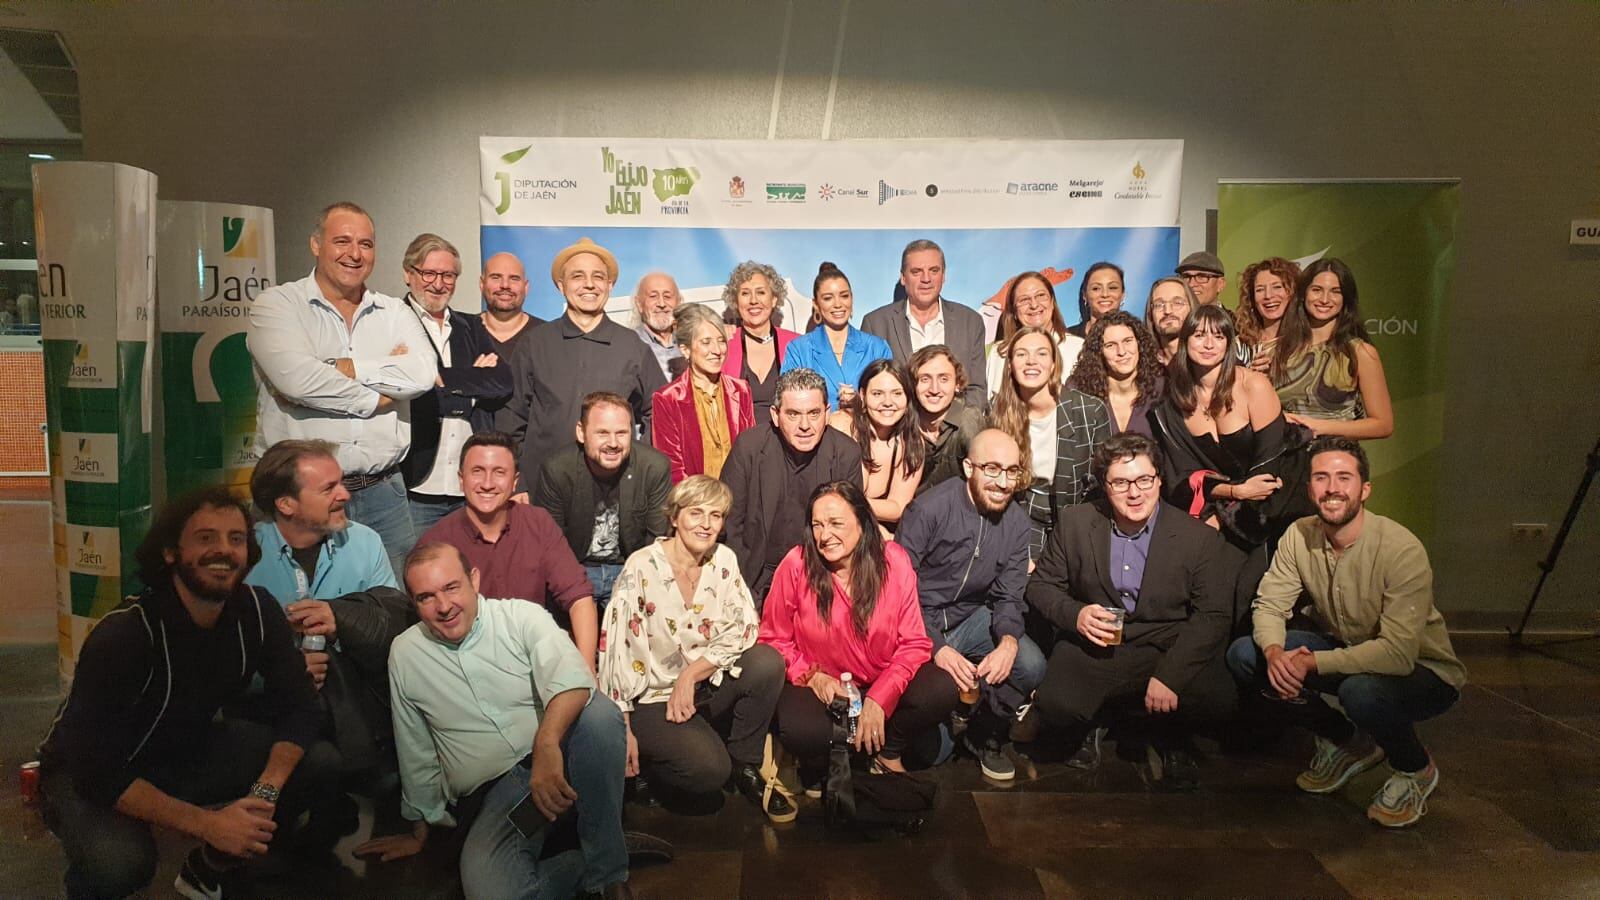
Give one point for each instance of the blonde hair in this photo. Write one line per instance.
(698, 490)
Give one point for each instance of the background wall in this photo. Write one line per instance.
(292, 105)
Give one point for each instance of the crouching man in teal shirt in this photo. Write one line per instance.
(474, 687)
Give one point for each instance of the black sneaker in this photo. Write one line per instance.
(1025, 727)
(197, 880)
(1180, 771)
(644, 847)
(992, 759)
(1087, 756)
(811, 781)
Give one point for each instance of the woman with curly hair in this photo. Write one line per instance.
(1266, 291)
(1332, 380)
(1119, 366)
(1030, 303)
(757, 346)
(892, 450)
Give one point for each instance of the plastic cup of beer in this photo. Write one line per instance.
(969, 697)
(1118, 614)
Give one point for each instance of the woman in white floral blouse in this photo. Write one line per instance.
(678, 654)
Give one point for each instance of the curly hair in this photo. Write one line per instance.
(744, 272)
(1010, 413)
(1247, 319)
(1009, 323)
(167, 530)
(1091, 374)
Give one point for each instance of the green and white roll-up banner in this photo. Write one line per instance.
(1399, 239)
(213, 260)
(96, 242)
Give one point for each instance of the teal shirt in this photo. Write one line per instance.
(351, 560)
(465, 713)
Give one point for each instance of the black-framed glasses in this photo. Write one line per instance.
(1121, 485)
(1202, 277)
(995, 471)
(429, 276)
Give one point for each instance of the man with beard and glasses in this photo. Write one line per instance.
(333, 578)
(1374, 639)
(655, 299)
(340, 362)
(969, 545)
(472, 382)
(608, 494)
(137, 742)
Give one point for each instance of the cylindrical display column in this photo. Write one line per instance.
(213, 260)
(96, 241)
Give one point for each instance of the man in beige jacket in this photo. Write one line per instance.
(1375, 640)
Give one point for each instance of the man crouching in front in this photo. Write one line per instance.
(466, 685)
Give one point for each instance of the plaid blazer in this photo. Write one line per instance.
(1082, 424)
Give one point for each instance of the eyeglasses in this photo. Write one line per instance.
(998, 473)
(1202, 277)
(429, 277)
(1160, 305)
(1121, 485)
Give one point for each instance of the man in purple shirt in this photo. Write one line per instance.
(518, 550)
(1164, 571)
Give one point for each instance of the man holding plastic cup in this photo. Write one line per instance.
(1132, 557)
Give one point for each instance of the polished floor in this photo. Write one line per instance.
(1517, 813)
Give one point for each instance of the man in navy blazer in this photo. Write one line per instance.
(1162, 572)
(471, 385)
(925, 318)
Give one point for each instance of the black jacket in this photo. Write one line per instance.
(149, 682)
(756, 472)
(566, 490)
(357, 687)
(1185, 600)
(469, 393)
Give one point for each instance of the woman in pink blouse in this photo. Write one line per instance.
(845, 601)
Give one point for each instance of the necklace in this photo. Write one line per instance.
(770, 336)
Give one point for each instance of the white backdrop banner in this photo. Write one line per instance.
(695, 209)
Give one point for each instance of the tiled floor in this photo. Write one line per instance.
(1516, 814)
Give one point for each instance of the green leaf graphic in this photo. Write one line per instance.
(513, 156)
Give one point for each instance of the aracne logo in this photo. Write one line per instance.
(240, 238)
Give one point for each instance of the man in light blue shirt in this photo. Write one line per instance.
(474, 687)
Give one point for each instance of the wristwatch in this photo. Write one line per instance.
(265, 791)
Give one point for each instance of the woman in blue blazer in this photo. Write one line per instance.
(836, 350)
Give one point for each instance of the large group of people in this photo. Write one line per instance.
(511, 564)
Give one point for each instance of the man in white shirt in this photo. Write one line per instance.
(494, 711)
(925, 319)
(473, 382)
(341, 363)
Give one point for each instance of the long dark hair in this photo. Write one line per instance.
(906, 430)
(167, 529)
(1083, 288)
(1091, 375)
(868, 564)
(1183, 386)
(1294, 336)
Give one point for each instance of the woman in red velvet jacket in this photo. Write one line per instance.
(697, 416)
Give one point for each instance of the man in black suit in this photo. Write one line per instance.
(925, 318)
(1132, 554)
(473, 382)
(608, 494)
(773, 471)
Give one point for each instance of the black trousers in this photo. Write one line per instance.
(1082, 679)
(805, 727)
(113, 855)
(729, 728)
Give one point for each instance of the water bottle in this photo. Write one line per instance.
(853, 693)
(313, 643)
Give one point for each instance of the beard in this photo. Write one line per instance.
(200, 583)
(1351, 510)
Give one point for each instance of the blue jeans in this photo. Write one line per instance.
(383, 508)
(604, 578)
(426, 509)
(497, 861)
(1384, 706)
(974, 639)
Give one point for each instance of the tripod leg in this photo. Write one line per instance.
(1548, 564)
